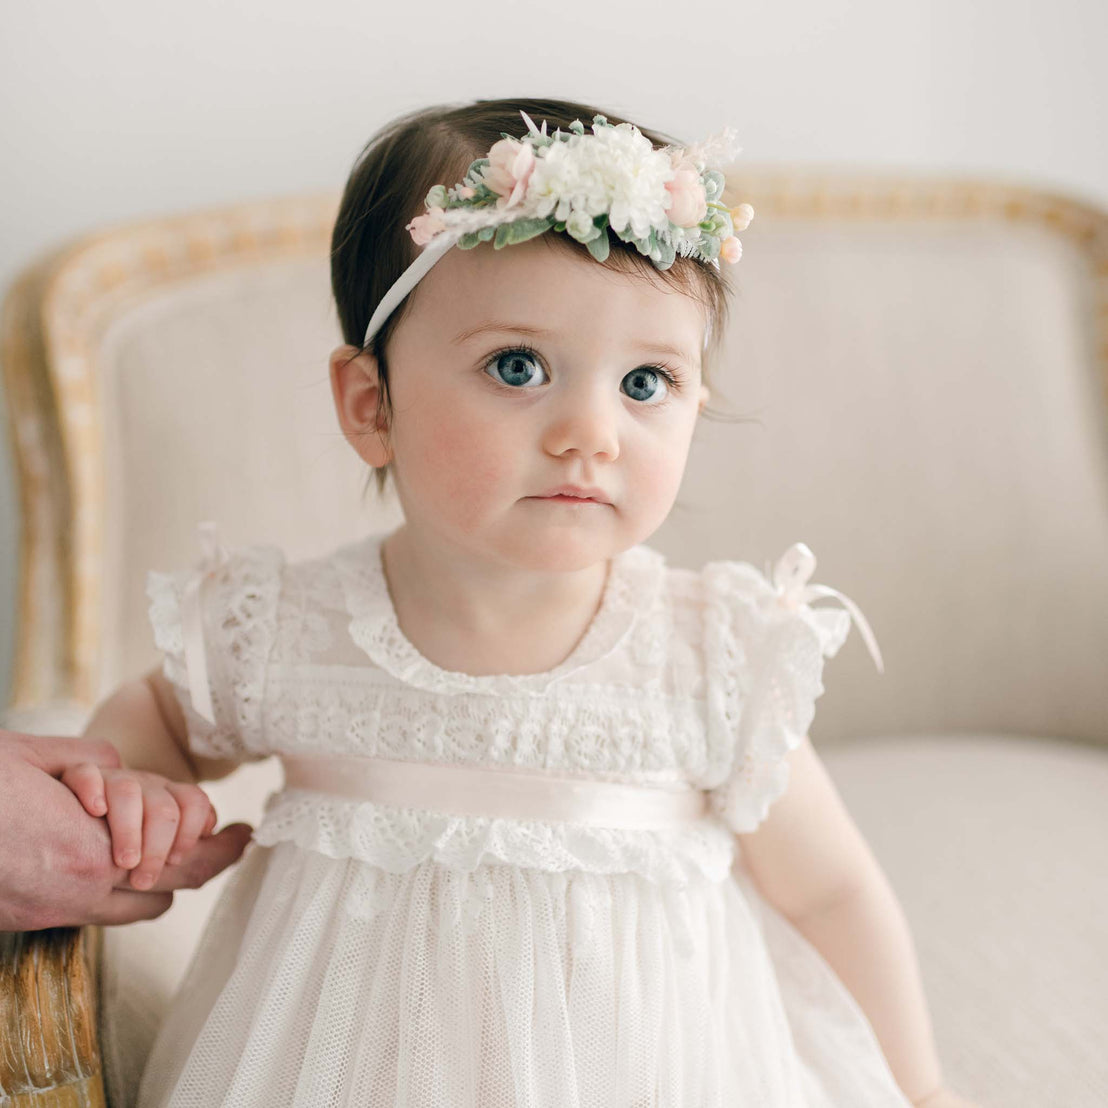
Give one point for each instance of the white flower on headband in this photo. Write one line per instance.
(665, 201)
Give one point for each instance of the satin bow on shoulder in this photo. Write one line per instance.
(790, 579)
(213, 557)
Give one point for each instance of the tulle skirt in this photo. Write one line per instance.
(322, 982)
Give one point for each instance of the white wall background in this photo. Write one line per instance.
(115, 110)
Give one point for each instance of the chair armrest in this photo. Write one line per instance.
(49, 1047)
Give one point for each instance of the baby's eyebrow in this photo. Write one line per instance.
(499, 325)
(526, 329)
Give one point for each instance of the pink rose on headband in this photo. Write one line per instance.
(511, 164)
(688, 202)
(731, 250)
(425, 227)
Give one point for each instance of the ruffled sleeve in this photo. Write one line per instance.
(765, 647)
(215, 625)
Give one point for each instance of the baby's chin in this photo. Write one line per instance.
(562, 545)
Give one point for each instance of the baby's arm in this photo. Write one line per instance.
(810, 861)
(152, 803)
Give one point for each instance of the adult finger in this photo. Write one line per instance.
(128, 906)
(207, 858)
(54, 755)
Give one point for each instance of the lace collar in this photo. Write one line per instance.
(633, 585)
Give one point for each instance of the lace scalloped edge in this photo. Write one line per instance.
(398, 839)
(373, 627)
(742, 801)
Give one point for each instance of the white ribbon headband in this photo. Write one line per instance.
(407, 281)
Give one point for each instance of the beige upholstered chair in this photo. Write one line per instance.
(921, 368)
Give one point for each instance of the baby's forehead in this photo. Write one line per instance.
(556, 288)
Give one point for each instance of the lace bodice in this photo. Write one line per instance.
(706, 676)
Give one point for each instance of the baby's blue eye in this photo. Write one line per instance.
(648, 378)
(515, 365)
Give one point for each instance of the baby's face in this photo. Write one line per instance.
(522, 369)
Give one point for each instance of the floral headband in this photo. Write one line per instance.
(666, 201)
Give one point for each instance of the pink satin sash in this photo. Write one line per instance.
(505, 793)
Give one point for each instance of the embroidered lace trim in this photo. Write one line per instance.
(634, 580)
(398, 838)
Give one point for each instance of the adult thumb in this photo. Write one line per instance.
(209, 856)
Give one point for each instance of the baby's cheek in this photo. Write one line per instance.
(470, 468)
(654, 480)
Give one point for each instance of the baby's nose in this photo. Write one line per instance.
(585, 422)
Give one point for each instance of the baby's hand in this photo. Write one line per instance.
(150, 816)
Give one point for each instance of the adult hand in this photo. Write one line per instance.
(56, 865)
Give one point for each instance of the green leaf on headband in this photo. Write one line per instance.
(474, 174)
(468, 240)
(599, 247)
(519, 231)
(713, 184)
(709, 246)
(486, 233)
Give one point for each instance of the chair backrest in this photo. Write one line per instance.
(920, 368)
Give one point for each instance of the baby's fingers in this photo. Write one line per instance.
(161, 818)
(124, 795)
(197, 814)
(87, 783)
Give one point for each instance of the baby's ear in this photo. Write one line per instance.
(355, 387)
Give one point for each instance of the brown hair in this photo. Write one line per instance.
(386, 189)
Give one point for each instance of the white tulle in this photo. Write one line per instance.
(370, 955)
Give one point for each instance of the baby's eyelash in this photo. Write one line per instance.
(518, 348)
(673, 376)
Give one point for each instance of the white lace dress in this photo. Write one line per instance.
(381, 956)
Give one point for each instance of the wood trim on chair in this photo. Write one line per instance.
(49, 1053)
